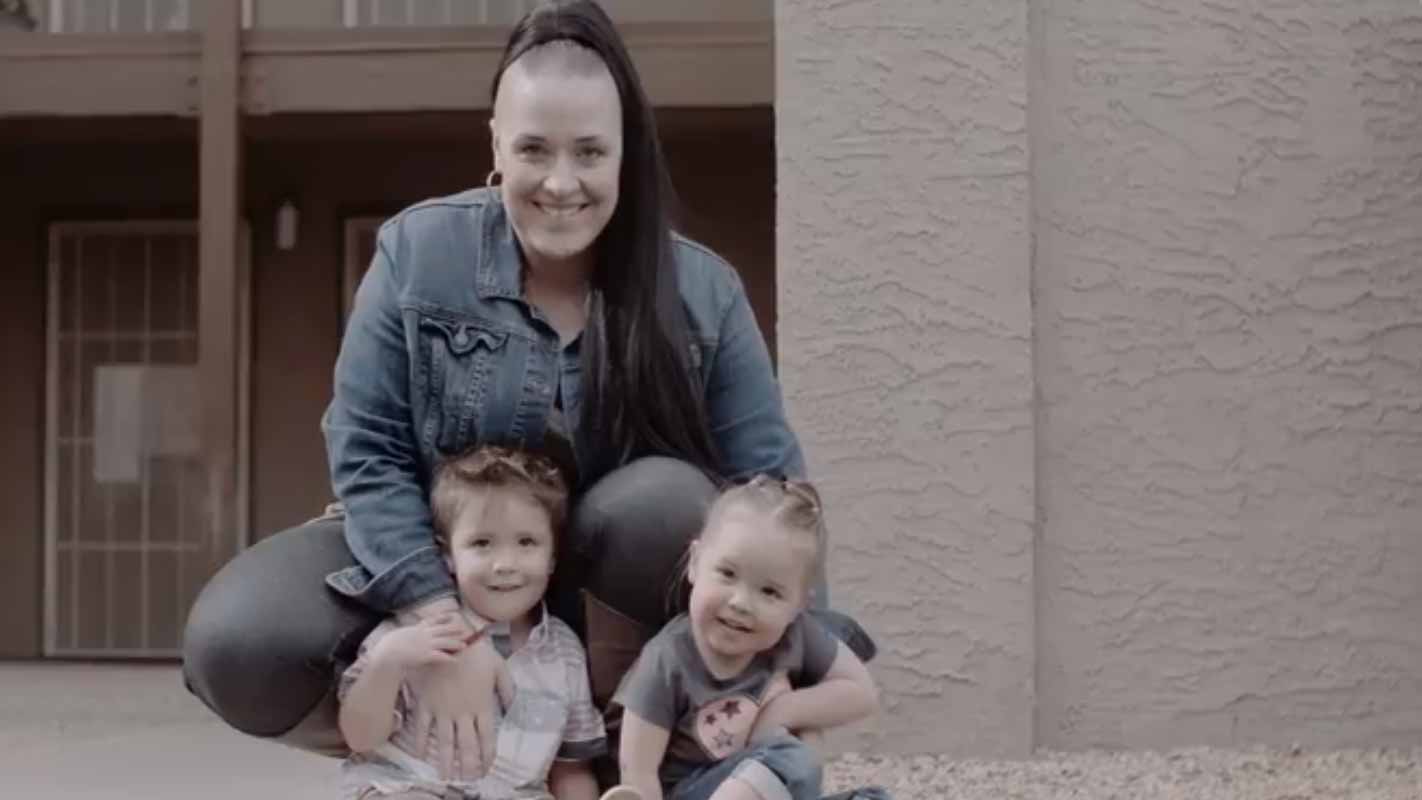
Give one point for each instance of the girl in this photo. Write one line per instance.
(712, 708)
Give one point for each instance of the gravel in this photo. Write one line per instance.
(1198, 774)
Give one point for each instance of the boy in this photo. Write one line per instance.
(496, 516)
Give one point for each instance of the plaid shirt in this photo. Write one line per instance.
(552, 716)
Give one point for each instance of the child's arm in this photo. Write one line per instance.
(572, 780)
(367, 714)
(570, 777)
(640, 754)
(845, 694)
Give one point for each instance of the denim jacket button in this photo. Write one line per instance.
(461, 339)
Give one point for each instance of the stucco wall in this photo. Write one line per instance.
(902, 258)
(1229, 328)
(1215, 212)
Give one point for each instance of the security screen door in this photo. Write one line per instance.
(129, 535)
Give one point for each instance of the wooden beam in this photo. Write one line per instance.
(218, 229)
(90, 75)
(331, 70)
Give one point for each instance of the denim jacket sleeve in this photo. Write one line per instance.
(743, 402)
(374, 455)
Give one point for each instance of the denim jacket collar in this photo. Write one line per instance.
(501, 264)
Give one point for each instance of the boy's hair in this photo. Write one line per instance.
(490, 467)
(792, 505)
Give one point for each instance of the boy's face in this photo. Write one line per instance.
(501, 553)
(748, 581)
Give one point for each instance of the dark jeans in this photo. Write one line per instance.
(266, 638)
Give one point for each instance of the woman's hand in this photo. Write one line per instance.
(454, 701)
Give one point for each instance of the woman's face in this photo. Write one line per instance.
(557, 136)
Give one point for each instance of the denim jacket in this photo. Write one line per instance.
(442, 352)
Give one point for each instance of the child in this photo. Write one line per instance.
(496, 513)
(714, 703)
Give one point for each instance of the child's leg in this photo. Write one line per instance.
(778, 768)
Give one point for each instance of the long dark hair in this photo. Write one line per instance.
(641, 394)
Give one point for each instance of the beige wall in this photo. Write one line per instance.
(1220, 215)
(1229, 297)
(905, 343)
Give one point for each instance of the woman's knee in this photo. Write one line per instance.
(632, 528)
(261, 637)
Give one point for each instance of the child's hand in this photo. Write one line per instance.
(436, 640)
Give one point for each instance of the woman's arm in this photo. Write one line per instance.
(743, 400)
(372, 448)
(374, 457)
(640, 753)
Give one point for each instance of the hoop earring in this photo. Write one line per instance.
(494, 178)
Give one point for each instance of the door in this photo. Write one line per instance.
(357, 251)
(130, 537)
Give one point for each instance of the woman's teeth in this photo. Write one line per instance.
(560, 211)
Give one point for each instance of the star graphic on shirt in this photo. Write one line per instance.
(731, 708)
(711, 718)
(725, 741)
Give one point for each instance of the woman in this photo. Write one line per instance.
(553, 310)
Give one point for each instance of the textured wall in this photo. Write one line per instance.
(902, 262)
(1229, 332)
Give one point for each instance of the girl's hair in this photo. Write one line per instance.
(792, 505)
(642, 395)
(489, 467)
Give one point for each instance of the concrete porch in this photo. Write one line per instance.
(70, 730)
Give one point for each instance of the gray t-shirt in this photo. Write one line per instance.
(708, 718)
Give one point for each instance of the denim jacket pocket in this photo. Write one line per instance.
(459, 361)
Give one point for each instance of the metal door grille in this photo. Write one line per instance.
(126, 16)
(129, 537)
(403, 13)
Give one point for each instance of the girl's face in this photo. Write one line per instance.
(557, 136)
(749, 579)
